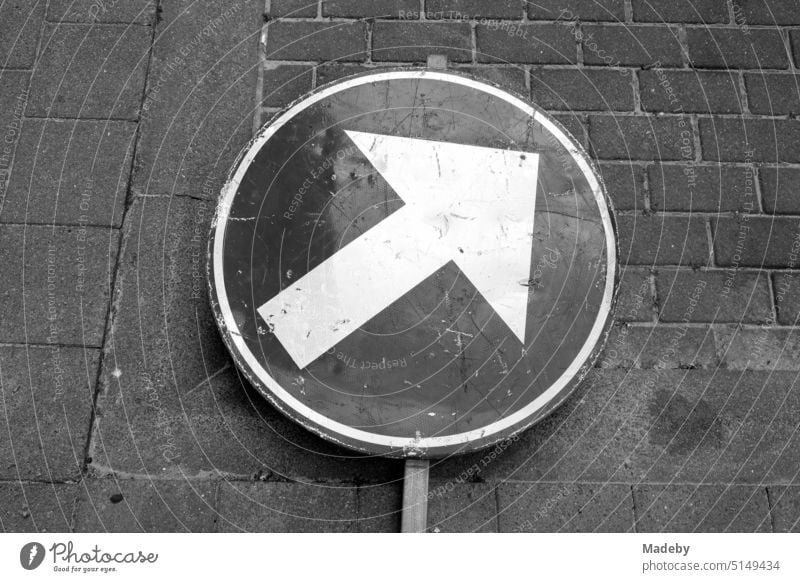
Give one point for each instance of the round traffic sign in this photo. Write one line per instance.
(413, 263)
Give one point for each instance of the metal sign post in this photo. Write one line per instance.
(415, 496)
(414, 264)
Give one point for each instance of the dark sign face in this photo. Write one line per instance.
(413, 263)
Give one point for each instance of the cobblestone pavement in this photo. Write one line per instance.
(121, 409)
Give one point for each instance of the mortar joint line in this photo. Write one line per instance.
(787, 46)
(793, 64)
(757, 189)
(635, 510)
(773, 302)
(655, 308)
(262, 65)
(770, 508)
(742, 86)
(369, 40)
(683, 41)
(496, 492)
(698, 146)
(473, 35)
(712, 257)
(647, 203)
(637, 98)
(526, 69)
(217, 506)
(731, 13)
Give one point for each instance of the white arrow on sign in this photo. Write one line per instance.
(467, 204)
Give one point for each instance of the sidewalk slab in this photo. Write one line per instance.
(631, 45)
(287, 507)
(404, 9)
(565, 507)
(70, 173)
(690, 91)
(713, 296)
(662, 240)
(108, 11)
(570, 90)
(317, 41)
(707, 12)
(117, 505)
(659, 347)
(624, 184)
(461, 507)
(766, 348)
(598, 10)
(778, 188)
(511, 79)
(701, 508)
(37, 507)
(787, 297)
(648, 426)
(90, 72)
(380, 507)
(785, 504)
(473, 9)
(692, 188)
(736, 48)
(769, 13)
(22, 23)
(410, 41)
(622, 137)
(635, 298)
(56, 284)
(13, 97)
(285, 83)
(293, 8)
(760, 241)
(773, 94)
(731, 139)
(46, 405)
(198, 110)
(535, 44)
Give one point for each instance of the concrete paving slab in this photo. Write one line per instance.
(57, 283)
(565, 507)
(70, 172)
(118, 505)
(90, 71)
(287, 507)
(197, 112)
(46, 404)
(701, 508)
(37, 507)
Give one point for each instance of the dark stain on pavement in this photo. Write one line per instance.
(681, 425)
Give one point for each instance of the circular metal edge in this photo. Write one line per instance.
(407, 447)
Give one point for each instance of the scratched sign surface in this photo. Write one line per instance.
(413, 263)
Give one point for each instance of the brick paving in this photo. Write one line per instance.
(123, 412)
